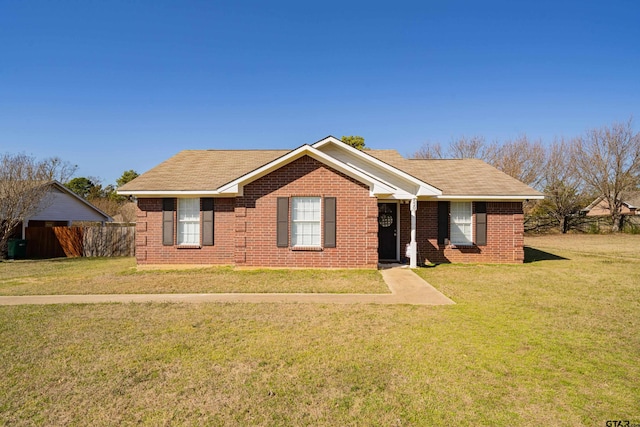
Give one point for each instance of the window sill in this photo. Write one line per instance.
(189, 247)
(307, 248)
(461, 245)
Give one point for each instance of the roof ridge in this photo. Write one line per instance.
(459, 159)
(237, 150)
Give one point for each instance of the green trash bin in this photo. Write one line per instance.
(17, 249)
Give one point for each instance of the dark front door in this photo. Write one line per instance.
(387, 231)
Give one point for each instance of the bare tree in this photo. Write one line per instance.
(54, 168)
(429, 151)
(608, 161)
(562, 186)
(520, 158)
(464, 147)
(129, 211)
(473, 147)
(110, 206)
(23, 190)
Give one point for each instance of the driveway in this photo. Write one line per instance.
(406, 288)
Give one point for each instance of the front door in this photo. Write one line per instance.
(388, 231)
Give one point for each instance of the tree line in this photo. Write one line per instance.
(603, 162)
(105, 197)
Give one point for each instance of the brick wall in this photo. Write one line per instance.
(245, 227)
(356, 218)
(505, 235)
(149, 247)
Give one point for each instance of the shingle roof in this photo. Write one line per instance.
(632, 199)
(205, 170)
(458, 177)
(201, 170)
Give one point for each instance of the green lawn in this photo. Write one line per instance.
(551, 342)
(119, 276)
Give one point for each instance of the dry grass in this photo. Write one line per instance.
(119, 276)
(622, 246)
(550, 342)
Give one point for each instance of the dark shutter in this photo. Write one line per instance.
(481, 223)
(329, 222)
(443, 222)
(168, 207)
(282, 229)
(207, 222)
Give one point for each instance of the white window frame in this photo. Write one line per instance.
(306, 223)
(461, 223)
(188, 222)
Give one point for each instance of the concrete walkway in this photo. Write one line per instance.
(406, 288)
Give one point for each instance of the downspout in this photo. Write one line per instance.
(413, 245)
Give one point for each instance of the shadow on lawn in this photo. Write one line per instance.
(534, 255)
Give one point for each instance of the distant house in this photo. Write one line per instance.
(62, 207)
(600, 207)
(325, 205)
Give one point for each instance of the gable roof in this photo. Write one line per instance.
(631, 200)
(224, 172)
(62, 204)
(406, 185)
(376, 184)
(54, 190)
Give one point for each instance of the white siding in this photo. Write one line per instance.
(60, 206)
(369, 168)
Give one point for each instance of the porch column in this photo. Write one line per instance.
(413, 250)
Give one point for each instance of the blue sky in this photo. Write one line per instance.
(117, 85)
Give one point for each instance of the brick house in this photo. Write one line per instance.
(325, 205)
(630, 205)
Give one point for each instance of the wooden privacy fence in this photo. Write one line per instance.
(88, 241)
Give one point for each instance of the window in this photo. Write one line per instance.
(302, 223)
(461, 220)
(305, 221)
(188, 221)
